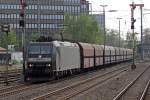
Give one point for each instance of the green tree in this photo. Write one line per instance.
(82, 28)
(34, 36)
(129, 40)
(9, 39)
(146, 36)
(112, 38)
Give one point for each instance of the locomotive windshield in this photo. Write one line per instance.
(34, 50)
(45, 50)
(40, 49)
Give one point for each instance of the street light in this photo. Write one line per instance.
(119, 31)
(104, 31)
(112, 10)
(97, 11)
(142, 53)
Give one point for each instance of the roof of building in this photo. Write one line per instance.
(2, 49)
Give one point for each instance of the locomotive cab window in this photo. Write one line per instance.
(46, 50)
(40, 49)
(34, 49)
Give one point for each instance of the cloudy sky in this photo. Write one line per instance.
(124, 12)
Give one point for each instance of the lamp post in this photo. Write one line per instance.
(142, 51)
(119, 32)
(104, 30)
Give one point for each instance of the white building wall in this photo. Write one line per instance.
(17, 56)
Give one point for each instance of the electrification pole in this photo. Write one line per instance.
(142, 51)
(104, 31)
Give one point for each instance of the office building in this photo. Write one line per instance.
(43, 16)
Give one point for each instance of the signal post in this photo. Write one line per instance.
(133, 20)
(22, 25)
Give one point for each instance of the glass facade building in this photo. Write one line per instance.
(43, 16)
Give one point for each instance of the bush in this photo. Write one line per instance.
(15, 62)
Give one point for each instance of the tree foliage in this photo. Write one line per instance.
(82, 28)
(146, 36)
(129, 40)
(112, 38)
(34, 36)
(13, 40)
(9, 39)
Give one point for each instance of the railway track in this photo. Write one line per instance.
(12, 71)
(12, 75)
(24, 87)
(145, 93)
(79, 87)
(130, 85)
(17, 89)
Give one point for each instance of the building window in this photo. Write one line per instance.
(9, 6)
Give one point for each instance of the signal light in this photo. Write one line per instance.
(132, 26)
(21, 14)
(49, 65)
(5, 28)
(28, 79)
(83, 1)
(21, 23)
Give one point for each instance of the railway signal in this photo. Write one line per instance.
(133, 6)
(22, 25)
(5, 28)
(22, 13)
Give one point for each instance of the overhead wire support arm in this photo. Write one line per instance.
(104, 30)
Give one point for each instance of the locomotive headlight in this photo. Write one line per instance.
(48, 65)
(30, 65)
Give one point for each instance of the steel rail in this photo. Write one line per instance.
(69, 96)
(17, 89)
(129, 85)
(145, 90)
(74, 85)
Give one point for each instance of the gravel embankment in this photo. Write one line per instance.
(31, 93)
(136, 90)
(110, 89)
